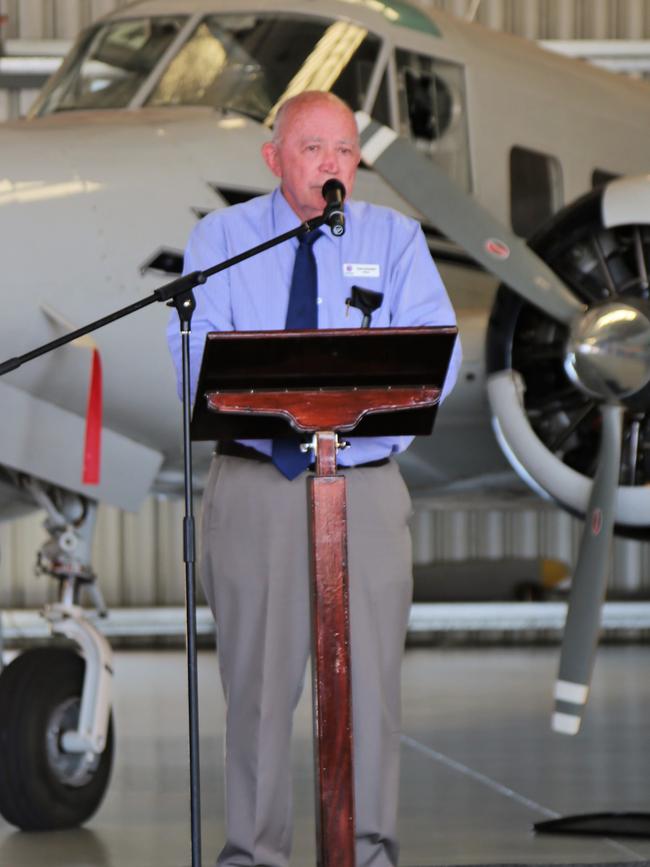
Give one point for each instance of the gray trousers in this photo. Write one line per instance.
(255, 570)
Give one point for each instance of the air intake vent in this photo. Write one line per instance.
(165, 261)
(236, 195)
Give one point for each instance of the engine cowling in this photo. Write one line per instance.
(548, 427)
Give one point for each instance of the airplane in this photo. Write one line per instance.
(155, 118)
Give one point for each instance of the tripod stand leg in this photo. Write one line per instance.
(185, 305)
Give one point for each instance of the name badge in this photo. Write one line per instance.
(354, 269)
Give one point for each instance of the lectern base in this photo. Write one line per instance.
(599, 824)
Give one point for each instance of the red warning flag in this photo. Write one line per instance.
(93, 438)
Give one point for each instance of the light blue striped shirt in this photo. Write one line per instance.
(381, 250)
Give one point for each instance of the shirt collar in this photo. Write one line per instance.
(284, 218)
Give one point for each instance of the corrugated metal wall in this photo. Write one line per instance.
(535, 19)
(560, 19)
(53, 19)
(138, 558)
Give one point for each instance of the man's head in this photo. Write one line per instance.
(315, 138)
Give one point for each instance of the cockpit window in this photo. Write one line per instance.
(252, 63)
(109, 64)
(433, 111)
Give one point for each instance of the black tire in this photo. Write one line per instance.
(41, 787)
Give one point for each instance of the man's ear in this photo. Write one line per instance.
(270, 156)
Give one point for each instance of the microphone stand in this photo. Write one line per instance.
(179, 294)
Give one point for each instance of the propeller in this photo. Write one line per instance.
(607, 356)
(425, 186)
(589, 581)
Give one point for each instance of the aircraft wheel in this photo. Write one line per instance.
(41, 786)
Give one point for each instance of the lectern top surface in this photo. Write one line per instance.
(287, 365)
(326, 358)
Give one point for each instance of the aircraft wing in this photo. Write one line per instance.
(41, 439)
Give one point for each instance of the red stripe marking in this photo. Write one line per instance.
(93, 438)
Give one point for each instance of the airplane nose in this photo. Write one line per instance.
(86, 200)
(47, 222)
(55, 269)
(83, 205)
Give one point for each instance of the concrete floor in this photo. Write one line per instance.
(480, 764)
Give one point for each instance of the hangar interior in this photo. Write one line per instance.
(33, 36)
(473, 781)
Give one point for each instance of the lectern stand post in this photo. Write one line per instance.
(331, 653)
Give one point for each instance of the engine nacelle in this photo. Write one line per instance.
(547, 426)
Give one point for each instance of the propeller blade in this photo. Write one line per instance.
(589, 581)
(425, 186)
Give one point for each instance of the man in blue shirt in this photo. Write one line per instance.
(255, 564)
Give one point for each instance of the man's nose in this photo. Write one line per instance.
(330, 161)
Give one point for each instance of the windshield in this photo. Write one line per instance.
(244, 63)
(251, 63)
(109, 64)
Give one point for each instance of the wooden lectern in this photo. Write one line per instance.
(320, 384)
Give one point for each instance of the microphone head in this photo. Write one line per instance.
(333, 185)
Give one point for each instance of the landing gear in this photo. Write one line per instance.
(56, 733)
(43, 786)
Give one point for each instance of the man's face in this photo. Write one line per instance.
(319, 141)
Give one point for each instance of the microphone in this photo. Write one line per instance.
(334, 193)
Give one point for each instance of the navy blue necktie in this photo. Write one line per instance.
(301, 313)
